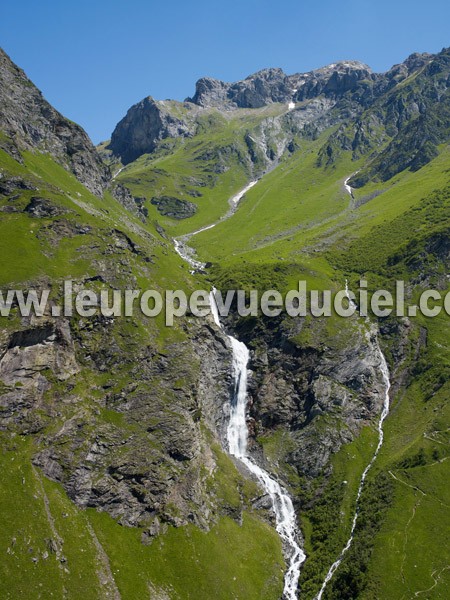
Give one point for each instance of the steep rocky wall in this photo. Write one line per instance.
(152, 461)
(320, 388)
(32, 123)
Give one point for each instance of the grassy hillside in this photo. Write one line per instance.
(51, 548)
(207, 169)
(298, 222)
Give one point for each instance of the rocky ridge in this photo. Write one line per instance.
(314, 101)
(273, 85)
(32, 123)
(29, 122)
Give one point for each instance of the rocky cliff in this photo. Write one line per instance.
(32, 123)
(29, 122)
(273, 85)
(146, 123)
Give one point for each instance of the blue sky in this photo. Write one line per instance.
(94, 59)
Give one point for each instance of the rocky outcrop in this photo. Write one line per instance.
(149, 466)
(169, 206)
(26, 358)
(210, 92)
(41, 207)
(413, 63)
(321, 393)
(31, 123)
(144, 125)
(134, 205)
(273, 85)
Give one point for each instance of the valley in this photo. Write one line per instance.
(234, 457)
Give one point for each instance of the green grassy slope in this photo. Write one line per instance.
(300, 215)
(51, 548)
(207, 169)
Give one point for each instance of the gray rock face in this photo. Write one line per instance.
(41, 207)
(25, 359)
(273, 85)
(322, 394)
(144, 125)
(210, 92)
(413, 63)
(134, 205)
(32, 123)
(174, 207)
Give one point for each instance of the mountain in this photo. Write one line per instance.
(118, 479)
(273, 85)
(343, 86)
(30, 122)
(150, 121)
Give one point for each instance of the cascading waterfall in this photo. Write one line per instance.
(237, 437)
(384, 413)
(348, 188)
(237, 432)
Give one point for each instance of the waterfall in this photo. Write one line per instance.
(237, 437)
(384, 413)
(348, 188)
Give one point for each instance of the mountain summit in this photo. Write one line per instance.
(273, 85)
(299, 104)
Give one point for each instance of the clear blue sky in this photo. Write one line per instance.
(94, 59)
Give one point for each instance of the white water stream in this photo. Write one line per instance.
(117, 173)
(349, 187)
(186, 252)
(237, 432)
(237, 437)
(384, 413)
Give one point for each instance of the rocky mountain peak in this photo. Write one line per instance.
(343, 85)
(268, 74)
(273, 85)
(144, 125)
(343, 66)
(413, 63)
(417, 60)
(209, 92)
